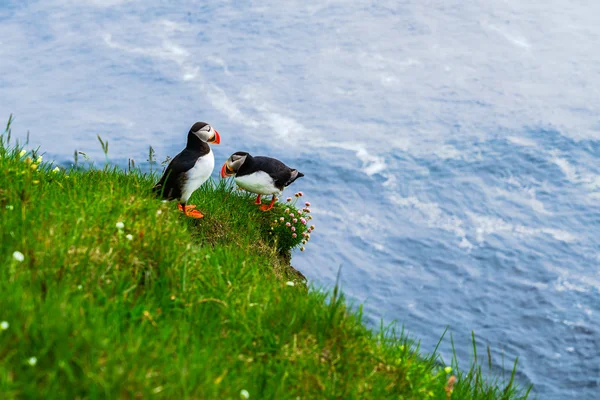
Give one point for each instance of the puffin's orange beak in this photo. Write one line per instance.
(216, 139)
(226, 171)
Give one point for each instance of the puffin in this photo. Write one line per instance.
(260, 175)
(190, 168)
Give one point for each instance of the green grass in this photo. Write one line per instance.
(186, 308)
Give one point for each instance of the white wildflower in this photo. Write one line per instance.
(129, 236)
(120, 225)
(17, 255)
(32, 361)
(4, 325)
(290, 283)
(244, 394)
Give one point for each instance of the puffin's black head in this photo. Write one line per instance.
(233, 163)
(201, 132)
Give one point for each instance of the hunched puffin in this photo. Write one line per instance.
(261, 175)
(190, 168)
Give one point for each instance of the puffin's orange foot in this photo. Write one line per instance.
(187, 208)
(194, 214)
(266, 207)
(257, 200)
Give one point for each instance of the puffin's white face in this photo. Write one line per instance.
(208, 134)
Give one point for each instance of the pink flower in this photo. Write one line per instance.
(303, 233)
(294, 235)
(307, 204)
(303, 221)
(287, 224)
(288, 199)
(287, 210)
(281, 219)
(293, 229)
(292, 215)
(300, 194)
(294, 220)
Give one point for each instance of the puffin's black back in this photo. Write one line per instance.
(172, 181)
(281, 173)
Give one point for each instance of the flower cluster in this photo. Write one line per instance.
(33, 164)
(293, 228)
(121, 230)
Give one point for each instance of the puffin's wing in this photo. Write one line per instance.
(281, 174)
(174, 176)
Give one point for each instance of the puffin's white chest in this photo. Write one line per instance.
(197, 175)
(258, 182)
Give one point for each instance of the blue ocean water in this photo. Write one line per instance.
(451, 150)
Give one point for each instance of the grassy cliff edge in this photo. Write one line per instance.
(107, 292)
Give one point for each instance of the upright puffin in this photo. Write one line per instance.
(190, 168)
(261, 175)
